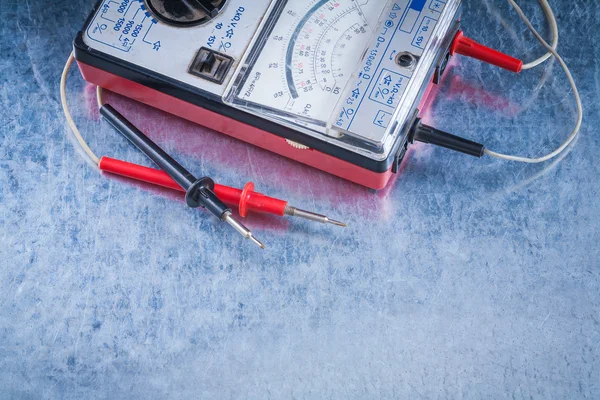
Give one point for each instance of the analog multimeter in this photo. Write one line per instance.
(334, 84)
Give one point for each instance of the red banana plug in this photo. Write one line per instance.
(470, 48)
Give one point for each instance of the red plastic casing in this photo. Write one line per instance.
(234, 128)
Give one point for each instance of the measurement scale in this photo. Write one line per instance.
(334, 84)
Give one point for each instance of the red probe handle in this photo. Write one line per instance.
(246, 200)
(470, 48)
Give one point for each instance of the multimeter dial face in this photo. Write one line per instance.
(308, 58)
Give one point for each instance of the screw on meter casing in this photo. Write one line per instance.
(185, 13)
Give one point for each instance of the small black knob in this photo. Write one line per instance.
(186, 12)
(209, 7)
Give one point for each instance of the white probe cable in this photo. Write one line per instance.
(565, 67)
(68, 116)
(553, 30)
(99, 96)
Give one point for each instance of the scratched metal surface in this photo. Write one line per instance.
(464, 279)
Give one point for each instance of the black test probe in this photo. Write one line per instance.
(199, 192)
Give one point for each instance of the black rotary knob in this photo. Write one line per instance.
(186, 12)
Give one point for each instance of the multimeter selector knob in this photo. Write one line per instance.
(186, 12)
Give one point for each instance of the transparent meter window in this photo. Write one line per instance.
(307, 58)
(308, 55)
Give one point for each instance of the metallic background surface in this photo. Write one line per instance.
(465, 278)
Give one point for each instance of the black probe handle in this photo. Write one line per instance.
(175, 170)
(426, 134)
(199, 192)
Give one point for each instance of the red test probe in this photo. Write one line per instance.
(470, 48)
(247, 200)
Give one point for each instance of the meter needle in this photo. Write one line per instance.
(199, 192)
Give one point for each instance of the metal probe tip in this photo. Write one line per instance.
(296, 212)
(338, 223)
(258, 243)
(238, 226)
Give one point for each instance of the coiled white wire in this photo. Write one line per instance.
(551, 52)
(553, 31)
(68, 116)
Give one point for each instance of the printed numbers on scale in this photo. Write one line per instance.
(307, 109)
(123, 6)
(137, 30)
(119, 24)
(422, 33)
(307, 57)
(128, 27)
